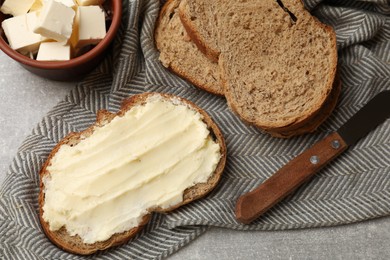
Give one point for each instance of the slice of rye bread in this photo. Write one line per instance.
(74, 244)
(180, 54)
(275, 75)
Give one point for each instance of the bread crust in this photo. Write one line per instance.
(195, 36)
(310, 124)
(74, 244)
(201, 83)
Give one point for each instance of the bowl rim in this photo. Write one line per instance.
(96, 51)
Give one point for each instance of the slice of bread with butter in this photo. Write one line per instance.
(99, 187)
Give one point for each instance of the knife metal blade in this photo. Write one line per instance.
(254, 203)
(367, 118)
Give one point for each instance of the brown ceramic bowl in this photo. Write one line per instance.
(76, 67)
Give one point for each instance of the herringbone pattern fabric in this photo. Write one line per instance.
(355, 187)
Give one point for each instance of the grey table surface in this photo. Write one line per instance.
(26, 98)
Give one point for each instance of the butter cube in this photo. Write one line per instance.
(19, 33)
(55, 21)
(91, 27)
(53, 51)
(16, 7)
(89, 2)
(68, 3)
(37, 5)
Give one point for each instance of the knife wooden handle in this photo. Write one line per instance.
(251, 205)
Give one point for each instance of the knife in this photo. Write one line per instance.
(299, 170)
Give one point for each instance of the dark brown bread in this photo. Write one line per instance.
(74, 244)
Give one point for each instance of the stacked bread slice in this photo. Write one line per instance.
(276, 62)
(180, 54)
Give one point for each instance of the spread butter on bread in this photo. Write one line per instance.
(277, 62)
(99, 187)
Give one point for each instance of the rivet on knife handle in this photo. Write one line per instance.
(251, 205)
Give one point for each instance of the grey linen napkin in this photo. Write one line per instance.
(355, 187)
